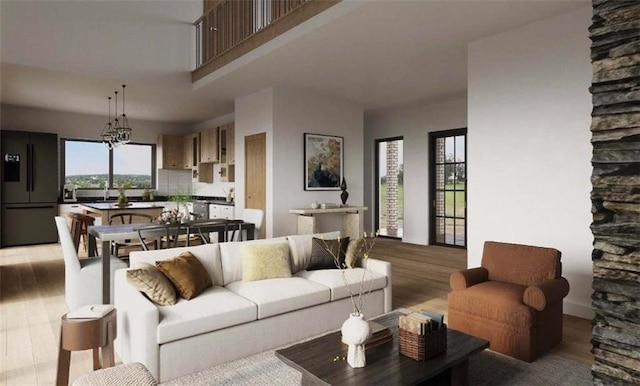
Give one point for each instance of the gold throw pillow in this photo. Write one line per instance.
(186, 273)
(149, 280)
(265, 260)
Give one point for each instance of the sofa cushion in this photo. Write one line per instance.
(494, 300)
(279, 296)
(231, 258)
(353, 256)
(148, 279)
(214, 309)
(520, 264)
(332, 278)
(186, 273)
(300, 248)
(265, 261)
(208, 254)
(328, 254)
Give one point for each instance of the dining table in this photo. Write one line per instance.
(121, 232)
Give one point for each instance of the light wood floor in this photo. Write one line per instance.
(32, 302)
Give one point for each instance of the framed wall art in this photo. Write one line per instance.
(323, 161)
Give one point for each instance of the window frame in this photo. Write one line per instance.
(63, 159)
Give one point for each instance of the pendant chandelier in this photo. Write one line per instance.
(116, 132)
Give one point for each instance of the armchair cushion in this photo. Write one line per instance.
(494, 300)
(546, 293)
(468, 277)
(520, 264)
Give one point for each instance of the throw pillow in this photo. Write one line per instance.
(325, 252)
(149, 280)
(265, 261)
(186, 273)
(353, 256)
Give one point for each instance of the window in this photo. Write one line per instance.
(90, 165)
(390, 187)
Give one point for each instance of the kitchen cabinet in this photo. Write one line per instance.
(209, 145)
(222, 211)
(231, 144)
(170, 152)
(191, 150)
(227, 165)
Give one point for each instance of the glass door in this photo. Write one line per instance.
(389, 187)
(449, 188)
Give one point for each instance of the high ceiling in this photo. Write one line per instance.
(71, 55)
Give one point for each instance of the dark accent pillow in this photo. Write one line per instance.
(325, 252)
(186, 273)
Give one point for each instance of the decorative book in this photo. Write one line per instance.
(90, 312)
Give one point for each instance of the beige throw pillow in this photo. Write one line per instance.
(353, 256)
(153, 283)
(186, 273)
(265, 261)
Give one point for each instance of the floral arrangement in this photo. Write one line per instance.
(358, 292)
(171, 216)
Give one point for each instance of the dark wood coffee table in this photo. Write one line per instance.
(315, 359)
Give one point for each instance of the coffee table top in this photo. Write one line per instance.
(385, 365)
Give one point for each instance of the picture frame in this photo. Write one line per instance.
(323, 161)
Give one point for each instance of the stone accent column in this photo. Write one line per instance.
(392, 187)
(615, 126)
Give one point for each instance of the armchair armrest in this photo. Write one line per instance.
(547, 292)
(468, 277)
(138, 320)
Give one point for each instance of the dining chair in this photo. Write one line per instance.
(254, 216)
(166, 235)
(131, 218)
(80, 223)
(82, 277)
(199, 228)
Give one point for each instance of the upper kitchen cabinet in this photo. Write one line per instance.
(170, 152)
(231, 144)
(225, 144)
(209, 145)
(191, 150)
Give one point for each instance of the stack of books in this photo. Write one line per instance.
(421, 323)
(379, 335)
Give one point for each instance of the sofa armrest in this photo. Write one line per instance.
(138, 320)
(547, 292)
(468, 277)
(384, 268)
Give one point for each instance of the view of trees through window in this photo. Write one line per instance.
(89, 165)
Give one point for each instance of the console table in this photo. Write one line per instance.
(351, 219)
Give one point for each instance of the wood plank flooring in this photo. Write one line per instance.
(32, 302)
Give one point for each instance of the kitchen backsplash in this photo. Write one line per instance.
(173, 181)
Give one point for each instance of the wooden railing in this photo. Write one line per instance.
(229, 23)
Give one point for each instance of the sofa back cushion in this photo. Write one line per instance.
(207, 254)
(520, 264)
(231, 258)
(300, 248)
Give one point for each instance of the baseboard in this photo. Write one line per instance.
(580, 310)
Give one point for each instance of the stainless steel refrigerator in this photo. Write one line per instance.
(29, 188)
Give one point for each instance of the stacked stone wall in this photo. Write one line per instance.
(615, 197)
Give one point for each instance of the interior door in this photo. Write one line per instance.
(255, 176)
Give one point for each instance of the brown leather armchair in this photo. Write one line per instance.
(514, 300)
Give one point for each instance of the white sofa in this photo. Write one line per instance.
(234, 319)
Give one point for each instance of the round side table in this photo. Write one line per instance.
(84, 334)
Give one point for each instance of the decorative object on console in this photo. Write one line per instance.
(323, 166)
(355, 332)
(116, 132)
(344, 195)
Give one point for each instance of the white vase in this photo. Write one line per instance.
(356, 331)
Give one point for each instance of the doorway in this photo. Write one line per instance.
(448, 193)
(390, 187)
(255, 176)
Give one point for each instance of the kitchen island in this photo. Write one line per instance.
(105, 210)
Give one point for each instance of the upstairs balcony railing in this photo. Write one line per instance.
(229, 24)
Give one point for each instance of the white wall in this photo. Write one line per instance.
(81, 126)
(529, 144)
(297, 112)
(414, 125)
(285, 114)
(254, 114)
